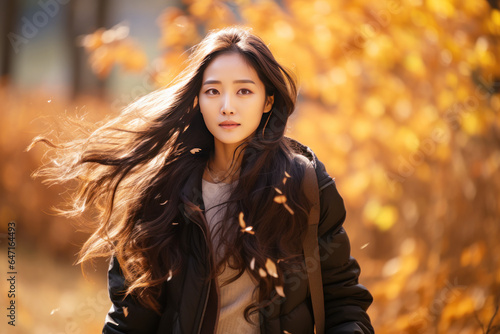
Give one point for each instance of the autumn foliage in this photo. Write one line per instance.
(399, 99)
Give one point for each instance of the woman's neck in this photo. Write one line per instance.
(219, 167)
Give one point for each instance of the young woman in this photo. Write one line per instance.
(201, 208)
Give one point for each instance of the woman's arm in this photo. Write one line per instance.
(126, 315)
(346, 301)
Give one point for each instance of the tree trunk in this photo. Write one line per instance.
(75, 27)
(75, 52)
(9, 12)
(102, 19)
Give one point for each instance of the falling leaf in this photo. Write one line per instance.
(262, 272)
(285, 178)
(248, 229)
(252, 263)
(473, 255)
(288, 208)
(271, 268)
(195, 150)
(279, 290)
(242, 222)
(125, 311)
(280, 199)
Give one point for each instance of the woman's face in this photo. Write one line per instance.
(232, 92)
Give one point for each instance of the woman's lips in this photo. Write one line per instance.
(228, 126)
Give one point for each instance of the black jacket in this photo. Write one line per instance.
(191, 306)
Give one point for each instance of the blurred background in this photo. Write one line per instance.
(399, 99)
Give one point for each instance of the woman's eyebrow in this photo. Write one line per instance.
(212, 82)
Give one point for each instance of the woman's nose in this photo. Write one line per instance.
(227, 106)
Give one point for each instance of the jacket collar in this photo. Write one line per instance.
(303, 150)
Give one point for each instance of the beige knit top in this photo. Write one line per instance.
(237, 295)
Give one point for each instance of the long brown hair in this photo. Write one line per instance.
(132, 168)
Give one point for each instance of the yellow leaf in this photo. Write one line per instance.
(280, 199)
(271, 268)
(386, 218)
(414, 64)
(458, 308)
(495, 17)
(248, 229)
(242, 222)
(471, 123)
(473, 255)
(195, 150)
(382, 216)
(288, 208)
(279, 290)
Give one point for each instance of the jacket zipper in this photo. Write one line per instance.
(209, 284)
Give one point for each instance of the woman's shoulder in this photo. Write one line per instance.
(304, 155)
(331, 202)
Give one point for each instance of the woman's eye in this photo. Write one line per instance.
(211, 91)
(245, 91)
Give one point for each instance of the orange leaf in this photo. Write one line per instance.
(280, 199)
(288, 208)
(271, 268)
(248, 229)
(279, 290)
(195, 150)
(242, 221)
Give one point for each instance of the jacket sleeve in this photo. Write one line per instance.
(126, 315)
(346, 301)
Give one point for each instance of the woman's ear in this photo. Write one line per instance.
(269, 103)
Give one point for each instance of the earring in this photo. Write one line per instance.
(264, 128)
